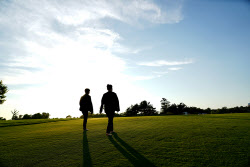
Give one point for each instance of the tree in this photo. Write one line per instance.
(146, 108)
(14, 114)
(27, 116)
(69, 116)
(193, 110)
(208, 110)
(37, 116)
(132, 110)
(223, 110)
(181, 108)
(164, 105)
(45, 115)
(172, 109)
(3, 90)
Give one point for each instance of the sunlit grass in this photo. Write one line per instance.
(29, 121)
(198, 140)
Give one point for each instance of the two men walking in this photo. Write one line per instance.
(109, 102)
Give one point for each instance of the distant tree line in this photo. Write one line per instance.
(16, 116)
(44, 115)
(145, 108)
(177, 109)
(237, 109)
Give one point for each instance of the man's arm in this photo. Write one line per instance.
(117, 104)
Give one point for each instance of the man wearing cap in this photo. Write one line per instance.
(85, 107)
(111, 104)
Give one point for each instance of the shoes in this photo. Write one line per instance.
(85, 129)
(108, 134)
(112, 132)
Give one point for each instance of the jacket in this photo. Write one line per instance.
(110, 102)
(86, 103)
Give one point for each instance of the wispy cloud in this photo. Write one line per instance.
(51, 23)
(155, 74)
(175, 68)
(66, 46)
(159, 63)
(118, 48)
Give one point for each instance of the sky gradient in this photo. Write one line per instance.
(190, 51)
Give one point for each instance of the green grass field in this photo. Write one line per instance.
(30, 121)
(194, 140)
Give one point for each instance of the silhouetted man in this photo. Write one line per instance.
(85, 107)
(111, 104)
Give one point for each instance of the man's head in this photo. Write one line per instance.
(87, 90)
(109, 87)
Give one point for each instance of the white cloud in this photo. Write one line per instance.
(175, 68)
(73, 48)
(83, 12)
(159, 63)
(118, 48)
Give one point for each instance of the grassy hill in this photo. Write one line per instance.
(194, 140)
(30, 121)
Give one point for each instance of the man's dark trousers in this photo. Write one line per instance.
(110, 115)
(85, 117)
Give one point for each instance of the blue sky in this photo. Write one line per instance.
(190, 51)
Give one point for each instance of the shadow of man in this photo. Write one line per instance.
(131, 154)
(86, 155)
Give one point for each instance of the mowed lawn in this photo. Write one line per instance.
(193, 140)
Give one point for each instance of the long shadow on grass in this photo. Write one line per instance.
(86, 155)
(131, 154)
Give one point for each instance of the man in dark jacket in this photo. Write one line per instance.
(85, 106)
(111, 104)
